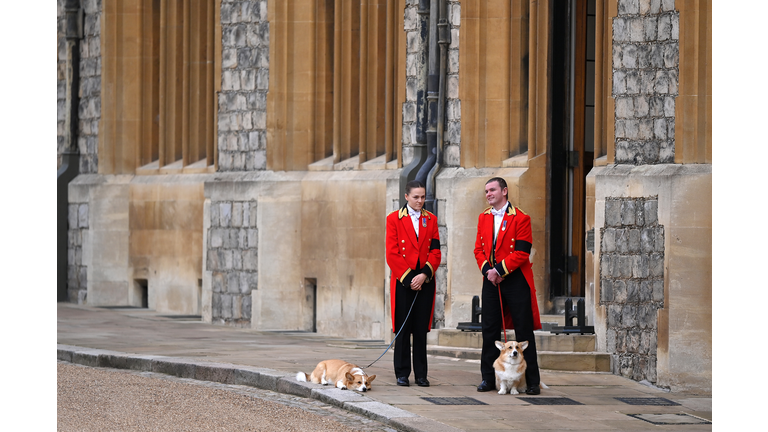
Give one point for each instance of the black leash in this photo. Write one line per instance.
(398, 332)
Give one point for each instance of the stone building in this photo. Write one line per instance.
(237, 159)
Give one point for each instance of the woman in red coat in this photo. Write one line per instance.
(413, 255)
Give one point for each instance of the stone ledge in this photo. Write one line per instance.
(267, 379)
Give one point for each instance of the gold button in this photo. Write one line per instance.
(403, 241)
(403, 256)
(403, 248)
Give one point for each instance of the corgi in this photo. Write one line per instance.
(510, 367)
(341, 374)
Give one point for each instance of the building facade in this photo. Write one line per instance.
(237, 159)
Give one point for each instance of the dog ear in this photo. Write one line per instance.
(523, 345)
(500, 345)
(350, 377)
(371, 378)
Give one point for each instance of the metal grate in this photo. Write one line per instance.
(670, 419)
(453, 400)
(550, 401)
(647, 401)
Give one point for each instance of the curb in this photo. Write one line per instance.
(267, 379)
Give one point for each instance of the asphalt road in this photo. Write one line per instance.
(98, 399)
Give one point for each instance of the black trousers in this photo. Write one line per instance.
(416, 326)
(516, 296)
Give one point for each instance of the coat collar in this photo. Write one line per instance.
(511, 210)
(404, 212)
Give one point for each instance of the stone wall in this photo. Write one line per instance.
(233, 260)
(77, 271)
(242, 114)
(632, 284)
(61, 81)
(90, 87)
(452, 137)
(413, 65)
(645, 80)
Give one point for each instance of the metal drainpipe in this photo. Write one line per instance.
(69, 168)
(432, 82)
(443, 41)
(411, 171)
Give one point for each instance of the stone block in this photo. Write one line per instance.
(82, 215)
(237, 260)
(675, 33)
(667, 152)
(215, 372)
(660, 129)
(629, 56)
(452, 155)
(628, 212)
(669, 106)
(655, 6)
(629, 316)
(410, 19)
(634, 239)
(641, 106)
(612, 212)
(633, 289)
(671, 55)
(665, 27)
(625, 107)
(619, 130)
(647, 79)
(250, 260)
(453, 61)
(637, 29)
(661, 84)
(606, 290)
(247, 306)
(218, 282)
(615, 317)
(618, 53)
(656, 265)
(646, 289)
(226, 306)
(454, 14)
(667, 5)
(262, 79)
(622, 240)
(619, 83)
(651, 208)
(633, 82)
(629, 7)
(673, 81)
(624, 152)
(608, 240)
(658, 290)
(606, 264)
(625, 267)
(645, 129)
(621, 29)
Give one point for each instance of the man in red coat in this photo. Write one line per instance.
(413, 255)
(502, 250)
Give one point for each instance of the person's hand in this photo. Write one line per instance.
(418, 281)
(494, 276)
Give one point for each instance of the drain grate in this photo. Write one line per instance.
(647, 401)
(670, 419)
(183, 317)
(453, 400)
(550, 401)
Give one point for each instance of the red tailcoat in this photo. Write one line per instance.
(513, 248)
(405, 251)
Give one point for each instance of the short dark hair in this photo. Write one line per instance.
(501, 181)
(413, 184)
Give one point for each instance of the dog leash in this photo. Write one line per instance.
(398, 332)
(501, 306)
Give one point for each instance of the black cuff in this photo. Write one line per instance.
(485, 269)
(426, 271)
(409, 277)
(500, 269)
(435, 244)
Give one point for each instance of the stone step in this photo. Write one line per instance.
(551, 360)
(545, 341)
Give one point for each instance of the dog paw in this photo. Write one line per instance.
(502, 391)
(514, 391)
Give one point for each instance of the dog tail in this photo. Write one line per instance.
(301, 377)
(544, 386)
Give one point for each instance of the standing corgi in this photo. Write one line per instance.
(341, 374)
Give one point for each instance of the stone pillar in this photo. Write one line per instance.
(645, 81)
(242, 115)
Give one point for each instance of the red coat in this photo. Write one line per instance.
(513, 248)
(404, 251)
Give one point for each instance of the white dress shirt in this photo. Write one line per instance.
(415, 215)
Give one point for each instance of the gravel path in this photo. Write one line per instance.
(97, 399)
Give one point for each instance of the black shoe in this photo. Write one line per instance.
(533, 390)
(403, 381)
(485, 386)
(422, 382)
